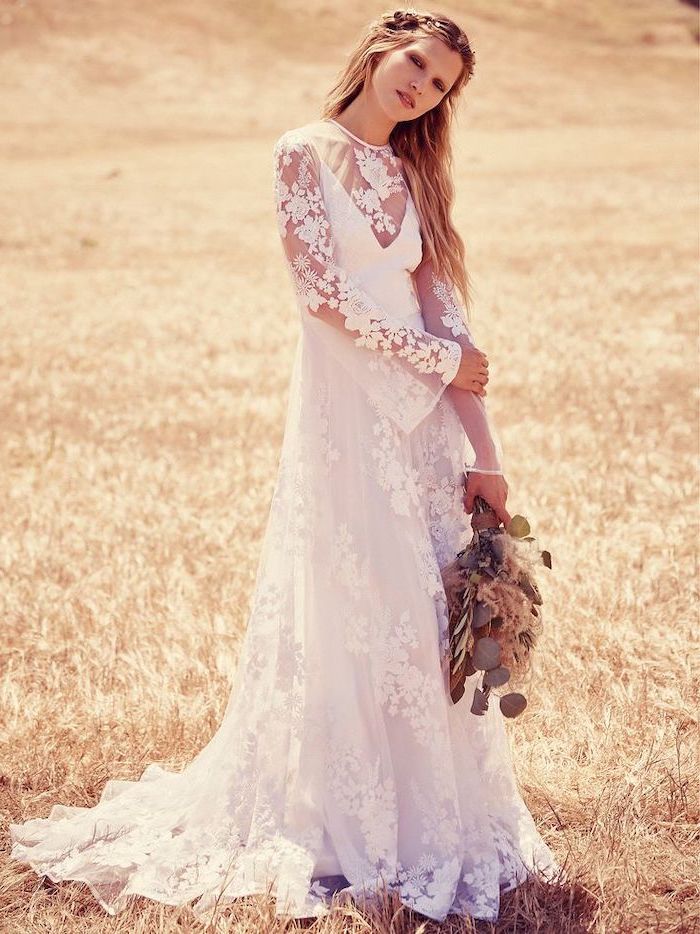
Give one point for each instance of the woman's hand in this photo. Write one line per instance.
(473, 372)
(491, 487)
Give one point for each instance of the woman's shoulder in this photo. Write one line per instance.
(308, 135)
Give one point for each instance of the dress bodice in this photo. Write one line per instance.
(372, 214)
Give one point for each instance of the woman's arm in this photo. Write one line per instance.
(443, 316)
(404, 370)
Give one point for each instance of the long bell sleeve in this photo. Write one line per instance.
(443, 316)
(403, 370)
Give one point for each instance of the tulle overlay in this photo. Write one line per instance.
(340, 753)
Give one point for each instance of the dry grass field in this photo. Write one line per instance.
(148, 324)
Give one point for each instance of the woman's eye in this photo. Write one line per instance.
(420, 64)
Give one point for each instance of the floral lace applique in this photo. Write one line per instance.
(453, 317)
(382, 184)
(389, 637)
(427, 885)
(392, 473)
(442, 827)
(330, 452)
(359, 790)
(345, 566)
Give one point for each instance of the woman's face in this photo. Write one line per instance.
(424, 70)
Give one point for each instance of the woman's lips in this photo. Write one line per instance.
(404, 100)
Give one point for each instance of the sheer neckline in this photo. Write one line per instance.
(385, 146)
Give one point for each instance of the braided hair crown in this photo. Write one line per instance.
(441, 26)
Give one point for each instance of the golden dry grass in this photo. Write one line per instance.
(147, 332)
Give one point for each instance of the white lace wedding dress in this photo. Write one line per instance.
(340, 753)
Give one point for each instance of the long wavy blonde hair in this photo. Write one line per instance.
(424, 143)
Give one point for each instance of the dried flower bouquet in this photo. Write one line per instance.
(495, 608)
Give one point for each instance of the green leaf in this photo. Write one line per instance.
(460, 625)
(475, 577)
(457, 692)
(518, 527)
(463, 641)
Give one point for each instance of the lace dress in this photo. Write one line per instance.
(340, 760)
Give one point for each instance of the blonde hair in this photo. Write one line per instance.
(424, 143)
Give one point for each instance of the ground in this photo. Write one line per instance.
(148, 326)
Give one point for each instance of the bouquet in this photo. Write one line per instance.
(494, 607)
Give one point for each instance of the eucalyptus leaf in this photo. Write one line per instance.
(487, 653)
(495, 677)
(512, 704)
(475, 577)
(482, 614)
(518, 527)
(480, 703)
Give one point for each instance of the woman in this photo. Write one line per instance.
(341, 761)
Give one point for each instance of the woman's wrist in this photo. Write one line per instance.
(495, 472)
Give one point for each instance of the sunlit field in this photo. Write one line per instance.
(148, 326)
